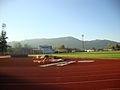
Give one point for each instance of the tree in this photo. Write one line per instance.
(27, 46)
(3, 42)
(117, 47)
(111, 46)
(27, 49)
(61, 47)
(17, 48)
(94, 49)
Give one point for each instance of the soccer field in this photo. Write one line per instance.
(90, 55)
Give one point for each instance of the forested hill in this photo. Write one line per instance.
(69, 42)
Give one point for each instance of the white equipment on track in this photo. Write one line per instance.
(58, 64)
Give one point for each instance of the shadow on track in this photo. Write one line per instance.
(8, 82)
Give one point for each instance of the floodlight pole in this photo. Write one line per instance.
(3, 26)
(83, 42)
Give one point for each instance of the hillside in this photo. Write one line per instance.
(69, 42)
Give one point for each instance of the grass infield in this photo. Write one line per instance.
(90, 55)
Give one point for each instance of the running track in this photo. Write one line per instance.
(23, 74)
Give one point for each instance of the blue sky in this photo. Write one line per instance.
(29, 19)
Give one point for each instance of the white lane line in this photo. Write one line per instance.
(94, 75)
(111, 89)
(62, 77)
(64, 83)
(87, 75)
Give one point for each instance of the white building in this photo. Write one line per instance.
(89, 50)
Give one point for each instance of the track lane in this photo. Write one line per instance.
(81, 76)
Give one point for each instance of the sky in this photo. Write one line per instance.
(30, 19)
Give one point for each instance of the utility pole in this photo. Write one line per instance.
(83, 42)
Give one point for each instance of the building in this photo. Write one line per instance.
(46, 49)
(36, 51)
(90, 50)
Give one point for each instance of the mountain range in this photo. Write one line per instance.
(69, 42)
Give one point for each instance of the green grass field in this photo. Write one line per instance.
(90, 55)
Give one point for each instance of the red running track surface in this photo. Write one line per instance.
(23, 74)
